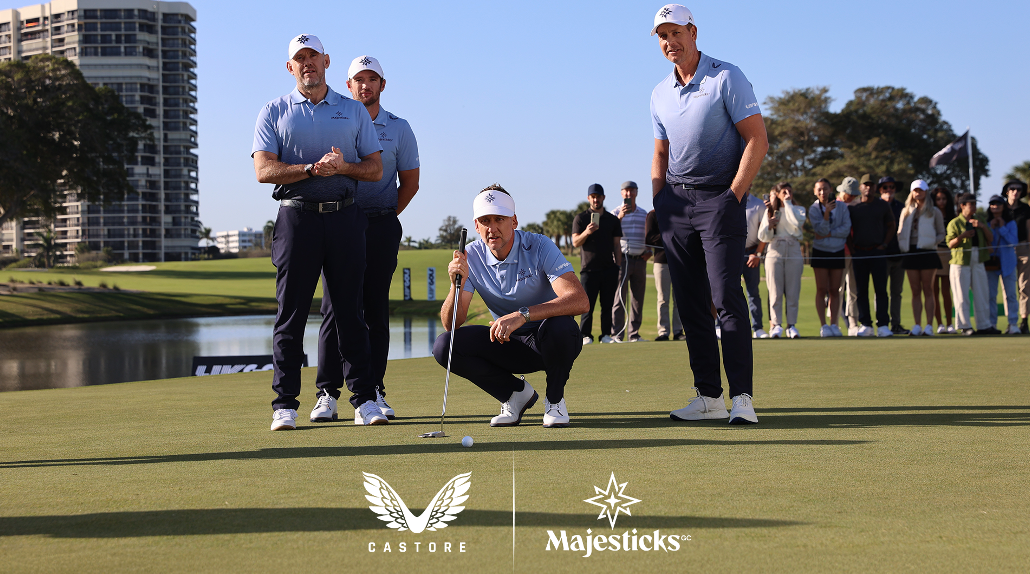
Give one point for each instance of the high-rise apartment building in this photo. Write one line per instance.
(239, 240)
(146, 52)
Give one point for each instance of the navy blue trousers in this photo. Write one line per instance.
(551, 345)
(603, 282)
(866, 263)
(304, 245)
(382, 240)
(704, 233)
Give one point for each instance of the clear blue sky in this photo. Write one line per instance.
(549, 97)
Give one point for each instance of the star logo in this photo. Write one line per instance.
(489, 198)
(612, 500)
(365, 61)
(665, 12)
(302, 39)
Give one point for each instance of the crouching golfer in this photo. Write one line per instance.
(533, 294)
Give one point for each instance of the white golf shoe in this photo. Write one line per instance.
(884, 331)
(284, 419)
(917, 330)
(826, 331)
(792, 332)
(866, 331)
(587, 340)
(701, 408)
(836, 330)
(606, 339)
(325, 409)
(776, 332)
(384, 406)
(743, 412)
(515, 407)
(555, 414)
(759, 334)
(369, 414)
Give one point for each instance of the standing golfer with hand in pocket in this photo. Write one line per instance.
(533, 294)
(709, 141)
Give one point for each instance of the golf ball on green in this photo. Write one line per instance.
(467, 441)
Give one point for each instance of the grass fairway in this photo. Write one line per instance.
(871, 456)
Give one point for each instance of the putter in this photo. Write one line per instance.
(450, 347)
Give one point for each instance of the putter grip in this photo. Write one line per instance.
(461, 246)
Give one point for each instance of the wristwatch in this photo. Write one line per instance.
(525, 312)
(308, 168)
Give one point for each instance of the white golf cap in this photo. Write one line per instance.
(919, 184)
(305, 41)
(672, 14)
(493, 202)
(365, 63)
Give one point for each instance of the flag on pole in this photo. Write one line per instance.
(951, 152)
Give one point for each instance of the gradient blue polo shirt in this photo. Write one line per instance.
(400, 153)
(299, 132)
(523, 279)
(698, 120)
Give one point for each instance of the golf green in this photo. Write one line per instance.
(871, 455)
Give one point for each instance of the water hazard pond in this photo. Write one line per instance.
(56, 356)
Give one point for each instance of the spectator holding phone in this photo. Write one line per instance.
(831, 223)
(921, 229)
(970, 241)
(1006, 236)
(781, 229)
(598, 233)
(943, 200)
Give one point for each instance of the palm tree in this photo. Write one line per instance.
(205, 235)
(1020, 172)
(268, 231)
(408, 241)
(48, 245)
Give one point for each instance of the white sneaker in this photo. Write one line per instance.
(951, 330)
(384, 406)
(743, 412)
(515, 407)
(917, 330)
(942, 330)
(587, 340)
(864, 331)
(369, 414)
(701, 408)
(836, 331)
(284, 419)
(825, 331)
(325, 409)
(607, 339)
(884, 331)
(760, 334)
(555, 414)
(718, 333)
(928, 331)
(1013, 329)
(776, 332)
(854, 332)
(792, 332)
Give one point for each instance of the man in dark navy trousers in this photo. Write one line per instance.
(709, 143)
(382, 201)
(313, 144)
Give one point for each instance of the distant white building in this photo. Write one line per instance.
(239, 240)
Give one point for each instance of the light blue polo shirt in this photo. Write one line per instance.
(299, 132)
(400, 153)
(523, 279)
(698, 120)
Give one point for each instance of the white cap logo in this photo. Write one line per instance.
(362, 63)
(672, 14)
(305, 41)
(493, 203)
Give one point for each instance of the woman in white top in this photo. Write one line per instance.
(920, 229)
(781, 229)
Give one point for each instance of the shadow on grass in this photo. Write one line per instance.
(263, 520)
(861, 417)
(423, 446)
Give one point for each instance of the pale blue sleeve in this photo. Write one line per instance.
(843, 227)
(265, 137)
(553, 262)
(738, 95)
(367, 142)
(407, 151)
(656, 123)
(467, 285)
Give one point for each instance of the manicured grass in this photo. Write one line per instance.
(870, 456)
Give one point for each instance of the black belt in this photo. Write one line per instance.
(327, 207)
(701, 187)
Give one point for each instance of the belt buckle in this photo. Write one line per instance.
(322, 209)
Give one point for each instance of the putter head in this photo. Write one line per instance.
(434, 434)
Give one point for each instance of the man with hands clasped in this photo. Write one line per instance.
(533, 293)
